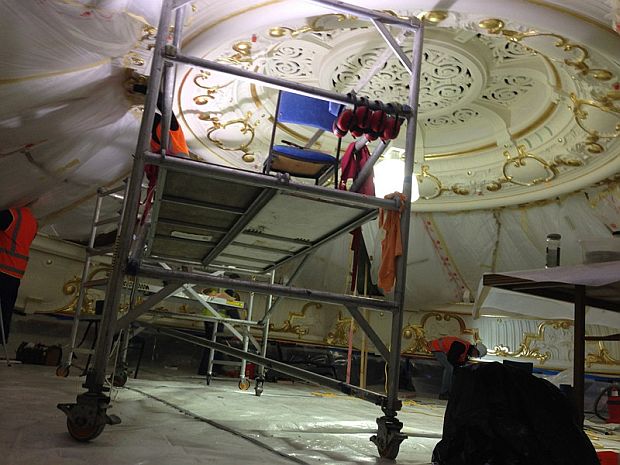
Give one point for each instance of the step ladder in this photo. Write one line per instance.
(119, 191)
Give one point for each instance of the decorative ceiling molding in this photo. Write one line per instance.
(490, 86)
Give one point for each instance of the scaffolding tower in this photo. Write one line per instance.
(87, 417)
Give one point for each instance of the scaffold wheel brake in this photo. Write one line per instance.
(258, 388)
(86, 419)
(388, 437)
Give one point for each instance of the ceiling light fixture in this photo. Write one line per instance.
(389, 175)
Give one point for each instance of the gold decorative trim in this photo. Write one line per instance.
(417, 332)
(434, 17)
(246, 128)
(339, 336)
(496, 26)
(72, 288)
(521, 160)
(527, 349)
(288, 326)
(314, 26)
(461, 152)
(199, 81)
(605, 104)
(425, 174)
(603, 357)
(243, 53)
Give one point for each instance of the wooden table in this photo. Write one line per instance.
(596, 285)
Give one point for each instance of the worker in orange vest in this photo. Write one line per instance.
(452, 352)
(177, 146)
(176, 143)
(17, 230)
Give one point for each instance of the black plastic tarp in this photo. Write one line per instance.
(501, 415)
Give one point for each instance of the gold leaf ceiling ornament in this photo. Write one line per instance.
(578, 62)
(245, 128)
(521, 161)
(465, 134)
(606, 105)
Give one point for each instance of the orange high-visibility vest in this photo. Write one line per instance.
(15, 242)
(176, 144)
(443, 344)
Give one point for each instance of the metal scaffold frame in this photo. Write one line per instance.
(87, 417)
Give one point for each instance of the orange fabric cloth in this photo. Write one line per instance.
(391, 246)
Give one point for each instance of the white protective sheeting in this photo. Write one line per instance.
(449, 252)
(287, 424)
(65, 125)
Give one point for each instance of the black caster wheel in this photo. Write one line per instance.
(258, 391)
(208, 379)
(62, 371)
(83, 433)
(120, 379)
(244, 384)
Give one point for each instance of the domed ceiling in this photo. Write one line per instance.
(518, 100)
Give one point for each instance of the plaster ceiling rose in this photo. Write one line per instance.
(513, 107)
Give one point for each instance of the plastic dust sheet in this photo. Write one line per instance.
(287, 424)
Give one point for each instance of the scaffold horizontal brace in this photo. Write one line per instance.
(274, 289)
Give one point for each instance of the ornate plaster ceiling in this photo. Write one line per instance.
(518, 102)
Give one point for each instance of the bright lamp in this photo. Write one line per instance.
(389, 175)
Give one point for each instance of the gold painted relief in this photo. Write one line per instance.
(319, 24)
(528, 347)
(246, 128)
(339, 336)
(200, 80)
(420, 342)
(606, 105)
(289, 325)
(242, 55)
(437, 187)
(602, 357)
(520, 161)
(578, 62)
(72, 288)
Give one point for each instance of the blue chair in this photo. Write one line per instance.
(296, 160)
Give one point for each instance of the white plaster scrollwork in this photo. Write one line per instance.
(505, 89)
(460, 116)
(293, 59)
(445, 78)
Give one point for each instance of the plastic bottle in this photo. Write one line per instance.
(552, 254)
